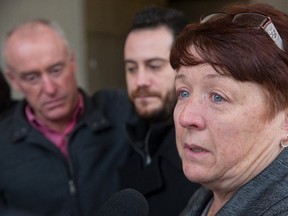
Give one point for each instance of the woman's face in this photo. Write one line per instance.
(222, 134)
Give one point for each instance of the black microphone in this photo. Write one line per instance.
(127, 202)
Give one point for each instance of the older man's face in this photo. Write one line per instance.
(41, 68)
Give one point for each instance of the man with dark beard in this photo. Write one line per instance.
(154, 167)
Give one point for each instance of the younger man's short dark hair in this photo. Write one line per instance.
(152, 17)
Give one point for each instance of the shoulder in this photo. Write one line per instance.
(8, 109)
(8, 119)
(111, 99)
(110, 95)
(197, 202)
(276, 198)
(14, 122)
(279, 208)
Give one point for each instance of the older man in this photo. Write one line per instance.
(59, 149)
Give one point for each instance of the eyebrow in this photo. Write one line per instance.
(157, 59)
(208, 76)
(147, 60)
(57, 64)
(25, 73)
(180, 77)
(129, 61)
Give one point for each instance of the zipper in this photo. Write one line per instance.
(72, 188)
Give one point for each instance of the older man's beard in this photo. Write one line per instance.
(162, 113)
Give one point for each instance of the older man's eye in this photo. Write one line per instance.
(30, 78)
(55, 71)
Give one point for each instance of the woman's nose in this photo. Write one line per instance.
(190, 114)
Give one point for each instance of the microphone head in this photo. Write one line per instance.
(128, 202)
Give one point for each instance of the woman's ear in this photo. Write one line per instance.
(285, 124)
(284, 136)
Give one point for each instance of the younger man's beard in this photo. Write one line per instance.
(163, 113)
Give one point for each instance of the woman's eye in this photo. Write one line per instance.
(217, 97)
(183, 94)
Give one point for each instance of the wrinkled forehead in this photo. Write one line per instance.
(33, 33)
(35, 51)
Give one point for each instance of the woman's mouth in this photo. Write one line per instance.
(195, 148)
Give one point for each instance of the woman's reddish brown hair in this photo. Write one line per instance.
(243, 53)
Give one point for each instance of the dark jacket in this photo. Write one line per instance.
(35, 176)
(6, 101)
(265, 195)
(161, 180)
